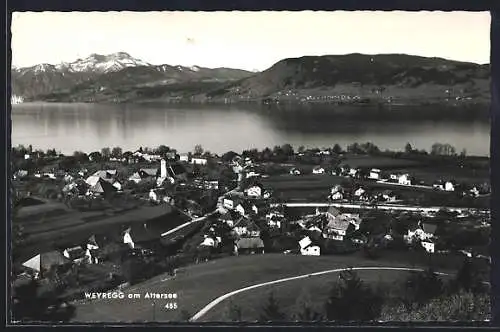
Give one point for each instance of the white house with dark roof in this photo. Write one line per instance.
(307, 248)
(404, 179)
(374, 174)
(449, 186)
(254, 191)
(199, 161)
(318, 170)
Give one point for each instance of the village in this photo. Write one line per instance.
(109, 219)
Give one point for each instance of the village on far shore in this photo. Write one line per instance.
(110, 219)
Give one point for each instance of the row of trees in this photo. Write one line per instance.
(278, 153)
(351, 299)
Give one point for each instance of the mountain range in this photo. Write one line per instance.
(121, 78)
(99, 73)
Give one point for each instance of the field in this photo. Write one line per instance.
(314, 290)
(197, 285)
(73, 226)
(380, 162)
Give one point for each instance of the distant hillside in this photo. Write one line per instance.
(365, 76)
(351, 78)
(105, 74)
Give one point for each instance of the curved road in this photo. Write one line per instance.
(218, 300)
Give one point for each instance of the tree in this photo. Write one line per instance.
(351, 300)
(301, 149)
(408, 148)
(51, 153)
(198, 150)
(162, 150)
(287, 150)
(68, 163)
(228, 156)
(105, 153)
(420, 287)
(117, 152)
(271, 310)
(463, 153)
(95, 156)
(81, 157)
(468, 277)
(234, 312)
(337, 149)
(31, 306)
(305, 311)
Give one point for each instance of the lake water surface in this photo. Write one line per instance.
(90, 127)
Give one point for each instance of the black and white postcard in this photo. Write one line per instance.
(250, 167)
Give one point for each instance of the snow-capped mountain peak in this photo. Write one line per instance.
(194, 68)
(104, 63)
(41, 68)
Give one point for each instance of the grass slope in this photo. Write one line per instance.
(198, 285)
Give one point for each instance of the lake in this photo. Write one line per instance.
(90, 127)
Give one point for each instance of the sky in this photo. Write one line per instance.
(246, 40)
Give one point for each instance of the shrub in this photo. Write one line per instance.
(463, 306)
(272, 311)
(351, 300)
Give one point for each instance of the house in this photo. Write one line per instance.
(423, 232)
(428, 246)
(318, 170)
(245, 208)
(252, 174)
(246, 228)
(393, 177)
(388, 196)
(359, 192)
(449, 186)
(209, 242)
(337, 196)
(102, 187)
(336, 189)
(474, 192)
(353, 172)
(184, 158)
(404, 179)
(153, 196)
(43, 262)
(311, 250)
(254, 190)
(438, 185)
(21, 174)
(199, 161)
(267, 194)
(77, 254)
(127, 239)
(336, 229)
(374, 174)
(294, 171)
(136, 177)
(231, 202)
(253, 245)
(171, 155)
(307, 248)
(332, 213)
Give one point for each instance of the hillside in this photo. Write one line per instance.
(352, 78)
(107, 75)
(365, 76)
